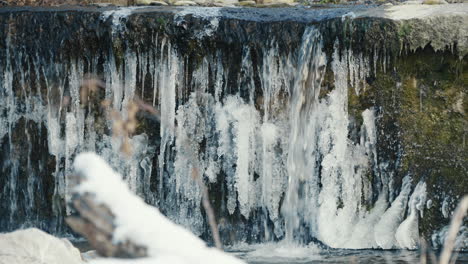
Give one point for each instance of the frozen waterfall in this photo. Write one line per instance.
(275, 151)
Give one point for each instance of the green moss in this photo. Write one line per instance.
(162, 23)
(425, 99)
(421, 105)
(404, 30)
(328, 82)
(359, 101)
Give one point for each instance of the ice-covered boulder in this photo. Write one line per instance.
(33, 246)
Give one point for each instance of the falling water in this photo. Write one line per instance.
(301, 196)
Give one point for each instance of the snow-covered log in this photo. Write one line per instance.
(120, 224)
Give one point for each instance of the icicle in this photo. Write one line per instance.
(241, 120)
(273, 135)
(245, 126)
(387, 226)
(219, 69)
(407, 234)
(153, 68)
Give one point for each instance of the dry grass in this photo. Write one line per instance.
(455, 224)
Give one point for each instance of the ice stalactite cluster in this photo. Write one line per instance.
(47, 93)
(283, 157)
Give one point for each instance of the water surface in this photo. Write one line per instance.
(280, 254)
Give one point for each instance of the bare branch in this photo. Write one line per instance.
(195, 175)
(208, 209)
(455, 224)
(95, 221)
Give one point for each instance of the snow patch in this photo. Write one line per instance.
(33, 246)
(403, 12)
(165, 241)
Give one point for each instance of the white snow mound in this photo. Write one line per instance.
(137, 221)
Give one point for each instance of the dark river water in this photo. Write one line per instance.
(280, 254)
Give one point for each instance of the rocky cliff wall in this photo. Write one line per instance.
(308, 124)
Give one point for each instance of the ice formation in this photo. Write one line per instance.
(407, 234)
(388, 224)
(439, 236)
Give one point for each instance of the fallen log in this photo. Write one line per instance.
(96, 222)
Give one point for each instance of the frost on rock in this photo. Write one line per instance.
(165, 241)
(118, 16)
(445, 209)
(439, 236)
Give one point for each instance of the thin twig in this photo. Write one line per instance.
(148, 108)
(423, 250)
(208, 208)
(455, 224)
(195, 175)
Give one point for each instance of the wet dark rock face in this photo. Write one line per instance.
(419, 96)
